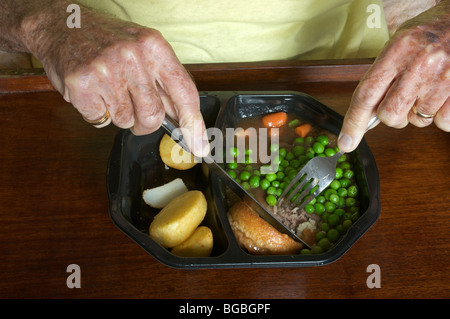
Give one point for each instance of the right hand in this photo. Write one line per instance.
(128, 70)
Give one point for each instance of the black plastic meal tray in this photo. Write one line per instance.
(135, 165)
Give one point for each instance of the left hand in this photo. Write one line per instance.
(412, 73)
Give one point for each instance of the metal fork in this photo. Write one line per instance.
(318, 172)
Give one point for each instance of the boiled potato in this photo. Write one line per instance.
(199, 244)
(177, 220)
(160, 196)
(173, 155)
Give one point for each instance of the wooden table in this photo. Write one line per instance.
(54, 205)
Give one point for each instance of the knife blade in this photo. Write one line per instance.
(172, 128)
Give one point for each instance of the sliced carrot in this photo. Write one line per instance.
(274, 119)
(303, 130)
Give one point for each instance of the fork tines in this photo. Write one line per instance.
(305, 185)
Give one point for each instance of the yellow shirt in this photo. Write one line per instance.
(211, 31)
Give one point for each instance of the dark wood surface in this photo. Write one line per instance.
(54, 205)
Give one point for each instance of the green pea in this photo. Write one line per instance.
(294, 123)
(244, 176)
(348, 173)
(279, 192)
(294, 163)
(284, 163)
(354, 209)
(248, 168)
(330, 207)
(232, 165)
(320, 234)
(335, 184)
(324, 216)
(324, 243)
(352, 190)
(305, 251)
(309, 139)
(347, 216)
(289, 156)
(325, 227)
(271, 200)
(339, 212)
(350, 201)
(280, 176)
(282, 152)
(299, 140)
(264, 184)
(347, 223)
(340, 229)
(345, 165)
(344, 182)
(248, 160)
(271, 177)
(276, 184)
(323, 139)
(339, 172)
(234, 151)
(303, 159)
(319, 208)
(245, 185)
(248, 151)
(333, 235)
(274, 147)
(298, 150)
(343, 158)
(309, 209)
(329, 151)
(271, 190)
(342, 192)
(292, 174)
(254, 181)
(316, 250)
(318, 148)
(321, 199)
(334, 198)
(232, 173)
(328, 192)
(355, 217)
(256, 172)
(341, 202)
(333, 219)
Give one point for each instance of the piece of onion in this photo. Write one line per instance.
(160, 196)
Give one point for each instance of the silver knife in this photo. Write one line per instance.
(172, 128)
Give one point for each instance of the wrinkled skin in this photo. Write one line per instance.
(413, 69)
(127, 69)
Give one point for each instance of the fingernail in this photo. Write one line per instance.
(345, 142)
(201, 146)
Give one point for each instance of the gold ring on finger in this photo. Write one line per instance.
(425, 116)
(101, 122)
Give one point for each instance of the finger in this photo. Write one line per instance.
(176, 82)
(371, 91)
(428, 104)
(442, 118)
(364, 103)
(148, 108)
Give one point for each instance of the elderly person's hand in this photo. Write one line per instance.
(115, 66)
(409, 80)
